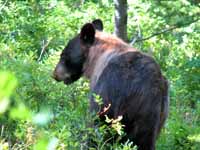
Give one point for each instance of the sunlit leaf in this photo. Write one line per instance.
(195, 138)
(52, 144)
(41, 144)
(7, 84)
(20, 112)
(42, 118)
(4, 103)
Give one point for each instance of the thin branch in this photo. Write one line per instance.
(138, 34)
(44, 48)
(104, 143)
(2, 6)
(2, 131)
(163, 31)
(157, 33)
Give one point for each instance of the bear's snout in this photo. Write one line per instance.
(60, 73)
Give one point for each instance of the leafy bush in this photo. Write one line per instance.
(38, 113)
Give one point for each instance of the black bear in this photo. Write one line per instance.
(127, 80)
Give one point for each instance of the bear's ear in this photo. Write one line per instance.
(98, 24)
(87, 35)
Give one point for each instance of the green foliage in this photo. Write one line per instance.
(7, 85)
(38, 113)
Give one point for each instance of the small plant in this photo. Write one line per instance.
(116, 124)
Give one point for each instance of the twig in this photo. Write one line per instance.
(104, 143)
(163, 31)
(44, 48)
(138, 34)
(2, 130)
(158, 33)
(3, 5)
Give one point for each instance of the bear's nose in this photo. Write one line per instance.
(55, 76)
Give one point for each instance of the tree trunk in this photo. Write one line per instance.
(121, 19)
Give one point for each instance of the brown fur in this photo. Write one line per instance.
(104, 43)
(129, 82)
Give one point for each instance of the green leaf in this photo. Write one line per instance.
(7, 84)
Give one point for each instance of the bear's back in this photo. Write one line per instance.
(125, 74)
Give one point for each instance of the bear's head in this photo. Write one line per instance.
(73, 57)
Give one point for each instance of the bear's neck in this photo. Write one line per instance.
(101, 52)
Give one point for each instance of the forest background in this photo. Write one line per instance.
(38, 113)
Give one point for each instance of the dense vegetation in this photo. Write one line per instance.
(38, 113)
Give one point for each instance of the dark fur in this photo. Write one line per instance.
(129, 80)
